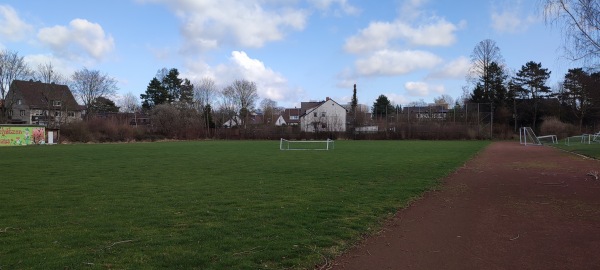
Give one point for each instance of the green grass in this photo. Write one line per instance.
(575, 146)
(206, 205)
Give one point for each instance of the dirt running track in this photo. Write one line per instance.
(511, 207)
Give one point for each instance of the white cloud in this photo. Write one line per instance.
(380, 35)
(389, 63)
(252, 23)
(397, 99)
(12, 28)
(511, 19)
(423, 89)
(61, 66)
(456, 69)
(270, 84)
(80, 37)
(344, 6)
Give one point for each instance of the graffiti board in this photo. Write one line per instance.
(22, 135)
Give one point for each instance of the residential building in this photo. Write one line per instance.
(289, 117)
(48, 104)
(432, 111)
(325, 116)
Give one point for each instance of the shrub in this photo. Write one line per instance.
(101, 130)
(553, 126)
(75, 132)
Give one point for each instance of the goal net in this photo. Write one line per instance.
(527, 136)
(306, 145)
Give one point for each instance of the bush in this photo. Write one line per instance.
(75, 132)
(101, 130)
(553, 126)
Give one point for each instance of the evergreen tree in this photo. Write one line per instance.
(496, 91)
(354, 101)
(172, 83)
(383, 107)
(155, 94)
(580, 88)
(532, 80)
(208, 116)
(103, 105)
(187, 92)
(167, 88)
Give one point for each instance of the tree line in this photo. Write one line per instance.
(518, 98)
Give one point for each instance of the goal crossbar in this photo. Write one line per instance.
(527, 136)
(306, 145)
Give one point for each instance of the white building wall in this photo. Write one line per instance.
(328, 117)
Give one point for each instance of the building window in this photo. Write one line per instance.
(315, 114)
(57, 113)
(323, 114)
(324, 125)
(294, 117)
(22, 112)
(56, 103)
(19, 102)
(71, 114)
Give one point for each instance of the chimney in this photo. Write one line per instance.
(327, 99)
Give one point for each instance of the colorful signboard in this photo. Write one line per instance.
(22, 135)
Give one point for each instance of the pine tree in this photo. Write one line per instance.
(354, 102)
(155, 94)
(532, 79)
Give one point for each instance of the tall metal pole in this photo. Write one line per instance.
(492, 121)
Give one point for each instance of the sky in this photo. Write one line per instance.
(294, 50)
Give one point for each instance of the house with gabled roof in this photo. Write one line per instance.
(289, 117)
(431, 111)
(49, 104)
(324, 116)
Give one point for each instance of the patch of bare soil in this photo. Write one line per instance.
(511, 207)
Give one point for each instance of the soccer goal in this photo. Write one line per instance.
(306, 145)
(527, 136)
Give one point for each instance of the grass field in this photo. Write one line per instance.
(206, 205)
(575, 145)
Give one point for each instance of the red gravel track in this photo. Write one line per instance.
(511, 207)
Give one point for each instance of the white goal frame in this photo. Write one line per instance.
(527, 136)
(298, 145)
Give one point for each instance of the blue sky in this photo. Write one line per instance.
(294, 50)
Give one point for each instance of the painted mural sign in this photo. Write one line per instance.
(22, 135)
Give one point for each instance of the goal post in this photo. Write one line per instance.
(527, 136)
(306, 145)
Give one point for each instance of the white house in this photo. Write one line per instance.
(235, 121)
(326, 116)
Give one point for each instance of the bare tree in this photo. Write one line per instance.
(484, 54)
(12, 67)
(91, 84)
(245, 95)
(227, 106)
(46, 73)
(444, 100)
(205, 91)
(129, 103)
(418, 103)
(580, 22)
(269, 108)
